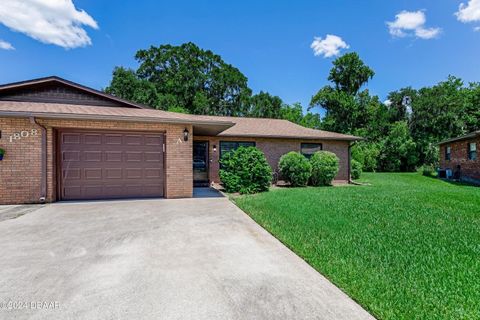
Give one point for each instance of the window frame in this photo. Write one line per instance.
(308, 156)
(472, 154)
(448, 153)
(237, 142)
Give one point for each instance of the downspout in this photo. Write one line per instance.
(43, 181)
(349, 160)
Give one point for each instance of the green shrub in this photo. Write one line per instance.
(367, 154)
(429, 171)
(245, 170)
(324, 168)
(295, 168)
(355, 169)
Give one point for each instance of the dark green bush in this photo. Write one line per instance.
(295, 169)
(324, 168)
(245, 170)
(355, 169)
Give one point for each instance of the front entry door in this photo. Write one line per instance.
(200, 163)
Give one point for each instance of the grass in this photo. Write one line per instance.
(404, 247)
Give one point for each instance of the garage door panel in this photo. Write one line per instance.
(72, 174)
(113, 173)
(114, 139)
(108, 165)
(133, 140)
(71, 156)
(92, 156)
(93, 174)
(72, 138)
(151, 190)
(92, 139)
(152, 173)
(134, 156)
(74, 192)
(153, 156)
(113, 156)
(133, 173)
(153, 141)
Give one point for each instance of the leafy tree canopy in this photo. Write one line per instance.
(349, 73)
(264, 105)
(347, 108)
(186, 77)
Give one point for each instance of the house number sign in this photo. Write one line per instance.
(23, 134)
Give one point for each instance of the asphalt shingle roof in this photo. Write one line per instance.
(234, 126)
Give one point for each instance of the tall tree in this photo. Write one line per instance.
(349, 73)
(438, 113)
(346, 107)
(398, 149)
(184, 76)
(294, 113)
(472, 107)
(398, 110)
(264, 105)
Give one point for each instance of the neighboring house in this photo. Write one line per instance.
(64, 141)
(459, 158)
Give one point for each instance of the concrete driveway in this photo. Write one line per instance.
(156, 259)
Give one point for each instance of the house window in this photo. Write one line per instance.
(448, 152)
(472, 151)
(308, 149)
(227, 146)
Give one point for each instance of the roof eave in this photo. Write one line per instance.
(353, 138)
(71, 116)
(465, 137)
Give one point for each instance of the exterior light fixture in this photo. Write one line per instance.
(214, 148)
(185, 134)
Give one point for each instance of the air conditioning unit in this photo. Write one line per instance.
(448, 173)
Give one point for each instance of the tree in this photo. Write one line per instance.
(398, 150)
(397, 110)
(125, 84)
(264, 105)
(438, 113)
(294, 113)
(184, 76)
(472, 107)
(367, 154)
(347, 109)
(349, 73)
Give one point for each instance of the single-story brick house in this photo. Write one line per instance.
(65, 141)
(458, 158)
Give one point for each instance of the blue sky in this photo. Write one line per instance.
(269, 41)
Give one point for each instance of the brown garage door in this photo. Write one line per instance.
(110, 164)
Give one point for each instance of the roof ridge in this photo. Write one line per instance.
(76, 85)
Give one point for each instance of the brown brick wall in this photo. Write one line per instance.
(274, 149)
(20, 168)
(459, 156)
(20, 171)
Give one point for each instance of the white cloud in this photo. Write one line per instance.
(428, 33)
(55, 22)
(328, 47)
(469, 12)
(6, 45)
(412, 23)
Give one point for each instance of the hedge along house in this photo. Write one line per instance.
(458, 157)
(65, 141)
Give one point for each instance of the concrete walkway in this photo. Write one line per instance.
(156, 259)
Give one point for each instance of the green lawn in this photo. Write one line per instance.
(404, 247)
